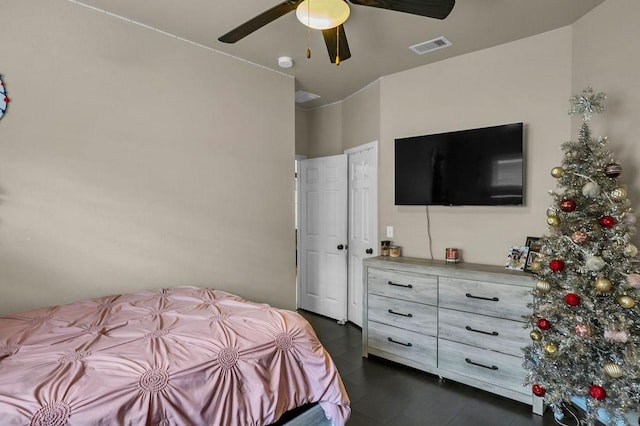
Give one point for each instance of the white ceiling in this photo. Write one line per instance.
(379, 39)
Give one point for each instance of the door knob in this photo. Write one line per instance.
(369, 251)
(340, 247)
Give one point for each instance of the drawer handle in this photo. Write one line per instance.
(490, 333)
(492, 367)
(391, 311)
(400, 285)
(491, 299)
(399, 343)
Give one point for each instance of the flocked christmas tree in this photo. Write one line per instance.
(585, 327)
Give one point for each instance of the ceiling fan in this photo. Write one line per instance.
(329, 15)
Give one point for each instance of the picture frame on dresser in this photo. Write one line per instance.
(517, 258)
(534, 245)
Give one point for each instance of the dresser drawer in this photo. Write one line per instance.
(402, 314)
(498, 300)
(497, 334)
(403, 285)
(403, 343)
(491, 367)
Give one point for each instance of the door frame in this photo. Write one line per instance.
(374, 195)
(374, 214)
(296, 219)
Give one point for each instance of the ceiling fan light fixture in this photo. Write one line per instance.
(322, 14)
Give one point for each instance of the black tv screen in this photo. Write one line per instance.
(478, 167)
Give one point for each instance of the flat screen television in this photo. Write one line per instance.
(477, 167)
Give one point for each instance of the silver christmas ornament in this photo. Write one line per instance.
(629, 218)
(595, 263)
(591, 190)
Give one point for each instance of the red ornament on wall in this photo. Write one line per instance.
(572, 299)
(538, 390)
(567, 206)
(607, 221)
(544, 324)
(597, 392)
(556, 265)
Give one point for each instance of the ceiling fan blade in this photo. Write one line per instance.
(259, 21)
(438, 9)
(331, 40)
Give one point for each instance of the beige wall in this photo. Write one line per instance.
(325, 131)
(529, 80)
(131, 160)
(524, 81)
(302, 132)
(361, 117)
(605, 57)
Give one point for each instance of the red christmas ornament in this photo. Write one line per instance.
(597, 392)
(556, 265)
(607, 221)
(544, 324)
(538, 390)
(567, 206)
(572, 299)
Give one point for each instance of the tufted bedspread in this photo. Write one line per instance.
(180, 356)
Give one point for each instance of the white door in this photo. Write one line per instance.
(322, 277)
(363, 221)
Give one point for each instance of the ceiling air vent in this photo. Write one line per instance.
(430, 46)
(302, 96)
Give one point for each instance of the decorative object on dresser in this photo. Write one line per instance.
(517, 258)
(462, 321)
(534, 257)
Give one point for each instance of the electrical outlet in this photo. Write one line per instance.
(389, 231)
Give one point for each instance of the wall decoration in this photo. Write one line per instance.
(4, 99)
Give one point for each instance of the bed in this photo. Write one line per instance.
(179, 356)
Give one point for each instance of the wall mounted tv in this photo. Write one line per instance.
(477, 167)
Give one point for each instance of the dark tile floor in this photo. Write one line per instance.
(386, 393)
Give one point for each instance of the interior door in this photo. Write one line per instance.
(322, 278)
(363, 221)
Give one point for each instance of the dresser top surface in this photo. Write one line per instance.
(461, 270)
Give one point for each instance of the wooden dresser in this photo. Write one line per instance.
(463, 322)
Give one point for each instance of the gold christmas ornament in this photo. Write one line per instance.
(626, 302)
(552, 212)
(553, 221)
(619, 194)
(613, 370)
(550, 349)
(602, 285)
(536, 266)
(630, 250)
(543, 286)
(557, 172)
(535, 335)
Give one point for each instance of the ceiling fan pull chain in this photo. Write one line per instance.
(308, 31)
(338, 45)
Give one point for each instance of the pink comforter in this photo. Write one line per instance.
(181, 356)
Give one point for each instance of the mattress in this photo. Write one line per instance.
(180, 356)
